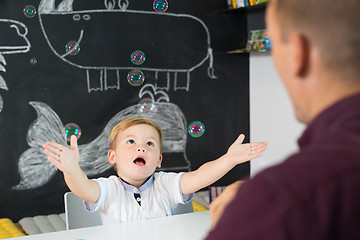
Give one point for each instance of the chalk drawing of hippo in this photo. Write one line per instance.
(13, 40)
(100, 33)
(33, 162)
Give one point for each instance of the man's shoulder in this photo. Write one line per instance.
(307, 172)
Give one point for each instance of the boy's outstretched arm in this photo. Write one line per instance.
(67, 160)
(210, 172)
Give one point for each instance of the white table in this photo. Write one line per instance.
(190, 226)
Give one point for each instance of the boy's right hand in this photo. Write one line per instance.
(64, 158)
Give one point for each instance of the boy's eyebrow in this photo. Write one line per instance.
(133, 136)
(154, 139)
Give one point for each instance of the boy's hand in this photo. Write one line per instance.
(239, 152)
(65, 159)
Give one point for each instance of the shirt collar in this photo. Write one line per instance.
(335, 115)
(133, 189)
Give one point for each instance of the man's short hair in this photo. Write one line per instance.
(331, 25)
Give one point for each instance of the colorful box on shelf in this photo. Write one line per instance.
(255, 2)
(258, 40)
(233, 4)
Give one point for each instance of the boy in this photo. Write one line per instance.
(140, 193)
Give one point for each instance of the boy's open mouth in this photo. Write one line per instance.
(139, 161)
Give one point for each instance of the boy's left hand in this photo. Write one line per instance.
(239, 152)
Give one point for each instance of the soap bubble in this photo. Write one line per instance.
(33, 61)
(72, 48)
(147, 107)
(136, 77)
(196, 129)
(137, 57)
(29, 11)
(71, 129)
(160, 5)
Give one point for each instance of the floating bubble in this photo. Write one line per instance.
(136, 77)
(29, 11)
(71, 129)
(137, 57)
(196, 129)
(147, 107)
(160, 5)
(72, 48)
(33, 61)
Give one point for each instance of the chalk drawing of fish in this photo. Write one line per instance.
(35, 170)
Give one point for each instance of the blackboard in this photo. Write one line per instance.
(44, 86)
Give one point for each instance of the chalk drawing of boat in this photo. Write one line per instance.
(13, 37)
(13, 40)
(102, 32)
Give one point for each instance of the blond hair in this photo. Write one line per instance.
(129, 122)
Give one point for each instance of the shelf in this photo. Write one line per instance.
(252, 8)
(242, 51)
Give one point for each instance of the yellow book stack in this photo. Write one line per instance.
(8, 229)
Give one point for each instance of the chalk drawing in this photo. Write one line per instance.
(93, 155)
(10, 27)
(2, 81)
(94, 24)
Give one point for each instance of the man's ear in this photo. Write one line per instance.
(300, 54)
(160, 161)
(111, 156)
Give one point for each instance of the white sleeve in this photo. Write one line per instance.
(170, 182)
(108, 190)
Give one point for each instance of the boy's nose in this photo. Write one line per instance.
(140, 149)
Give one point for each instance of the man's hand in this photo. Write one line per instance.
(218, 206)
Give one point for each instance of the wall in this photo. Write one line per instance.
(271, 114)
(68, 62)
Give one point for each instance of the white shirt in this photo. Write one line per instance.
(160, 195)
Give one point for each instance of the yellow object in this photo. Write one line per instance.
(198, 207)
(252, 2)
(8, 229)
(234, 5)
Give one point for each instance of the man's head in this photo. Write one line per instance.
(331, 26)
(135, 149)
(314, 40)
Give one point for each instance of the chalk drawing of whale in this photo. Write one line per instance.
(102, 32)
(13, 40)
(35, 170)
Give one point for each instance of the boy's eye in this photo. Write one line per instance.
(131, 141)
(150, 144)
